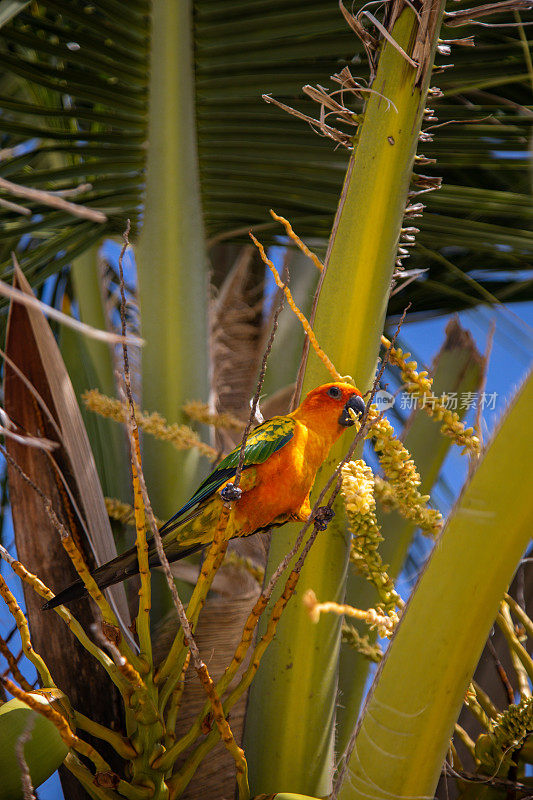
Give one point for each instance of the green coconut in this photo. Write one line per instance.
(44, 751)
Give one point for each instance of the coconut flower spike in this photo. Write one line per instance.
(360, 505)
(420, 385)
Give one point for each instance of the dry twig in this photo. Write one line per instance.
(25, 777)
(52, 200)
(30, 301)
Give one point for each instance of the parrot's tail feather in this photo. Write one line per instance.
(72, 592)
(117, 570)
(114, 571)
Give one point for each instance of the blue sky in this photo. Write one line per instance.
(510, 358)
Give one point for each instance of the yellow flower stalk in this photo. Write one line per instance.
(475, 707)
(181, 436)
(66, 733)
(47, 594)
(403, 478)
(174, 705)
(383, 623)
(297, 241)
(419, 385)
(142, 622)
(351, 636)
(520, 614)
(306, 326)
(520, 658)
(78, 561)
(200, 412)
(12, 663)
(24, 632)
(360, 505)
(463, 736)
(484, 700)
(495, 750)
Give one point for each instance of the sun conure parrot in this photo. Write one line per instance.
(281, 459)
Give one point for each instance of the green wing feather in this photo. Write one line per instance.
(263, 441)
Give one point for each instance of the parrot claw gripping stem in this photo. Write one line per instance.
(323, 517)
(230, 492)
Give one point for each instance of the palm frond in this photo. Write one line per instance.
(74, 103)
(76, 115)
(253, 158)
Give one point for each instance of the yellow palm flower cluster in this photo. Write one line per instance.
(401, 489)
(419, 385)
(383, 623)
(200, 412)
(351, 636)
(358, 493)
(123, 512)
(181, 436)
(429, 520)
(511, 728)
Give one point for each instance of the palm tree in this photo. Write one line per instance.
(158, 118)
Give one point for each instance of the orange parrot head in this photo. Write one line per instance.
(328, 406)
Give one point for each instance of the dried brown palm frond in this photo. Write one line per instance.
(236, 330)
(40, 402)
(236, 337)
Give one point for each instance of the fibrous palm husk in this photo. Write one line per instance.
(218, 633)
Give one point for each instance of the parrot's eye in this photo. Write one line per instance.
(334, 392)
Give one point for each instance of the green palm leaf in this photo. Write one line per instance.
(76, 85)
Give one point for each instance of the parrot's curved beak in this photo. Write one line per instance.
(357, 404)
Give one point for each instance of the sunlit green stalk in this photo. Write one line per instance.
(171, 255)
(297, 681)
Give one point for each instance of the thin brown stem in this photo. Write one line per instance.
(255, 400)
(25, 777)
(12, 662)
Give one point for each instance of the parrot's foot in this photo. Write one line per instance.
(230, 492)
(323, 517)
